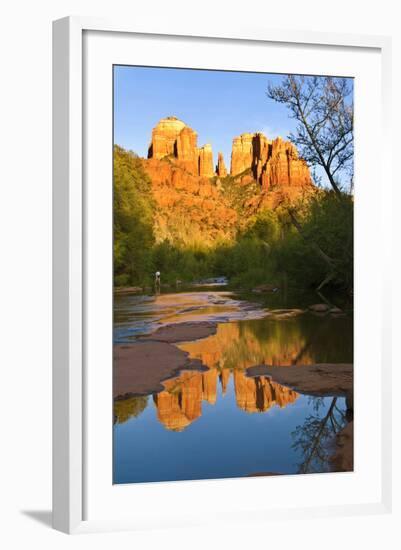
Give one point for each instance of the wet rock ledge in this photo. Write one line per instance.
(182, 332)
(141, 367)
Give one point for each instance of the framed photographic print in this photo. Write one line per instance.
(218, 312)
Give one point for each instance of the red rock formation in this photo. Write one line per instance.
(206, 161)
(272, 163)
(172, 137)
(242, 154)
(221, 169)
(164, 137)
(187, 150)
(188, 206)
(284, 168)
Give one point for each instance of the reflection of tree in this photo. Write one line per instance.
(124, 409)
(315, 434)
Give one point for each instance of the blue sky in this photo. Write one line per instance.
(218, 105)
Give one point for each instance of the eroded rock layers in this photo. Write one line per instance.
(273, 163)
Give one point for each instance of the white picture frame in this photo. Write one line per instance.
(70, 285)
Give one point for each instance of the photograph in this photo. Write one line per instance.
(233, 284)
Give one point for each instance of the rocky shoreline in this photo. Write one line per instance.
(158, 350)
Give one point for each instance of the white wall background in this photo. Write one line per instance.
(25, 218)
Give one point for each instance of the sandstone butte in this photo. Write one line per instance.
(272, 162)
(185, 180)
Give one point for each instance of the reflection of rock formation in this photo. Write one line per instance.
(261, 394)
(224, 377)
(181, 402)
(239, 345)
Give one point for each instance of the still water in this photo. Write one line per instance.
(220, 423)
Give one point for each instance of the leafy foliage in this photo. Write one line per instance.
(133, 220)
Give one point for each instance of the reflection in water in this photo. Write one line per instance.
(260, 394)
(198, 427)
(314, 436)
(181, 402)
(302, 340)
(135, 315)
(235, 347)
(124, 409)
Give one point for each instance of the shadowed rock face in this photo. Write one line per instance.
(247, 150)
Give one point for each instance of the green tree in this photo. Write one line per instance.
(132, 220)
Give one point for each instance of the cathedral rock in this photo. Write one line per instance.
(272, 163)
(197, 200)
(172, 137)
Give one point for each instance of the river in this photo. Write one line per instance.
(218, 422)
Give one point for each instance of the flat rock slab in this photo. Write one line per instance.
(286, 313)
(140, 368)
(182, 332)
(323, 379)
